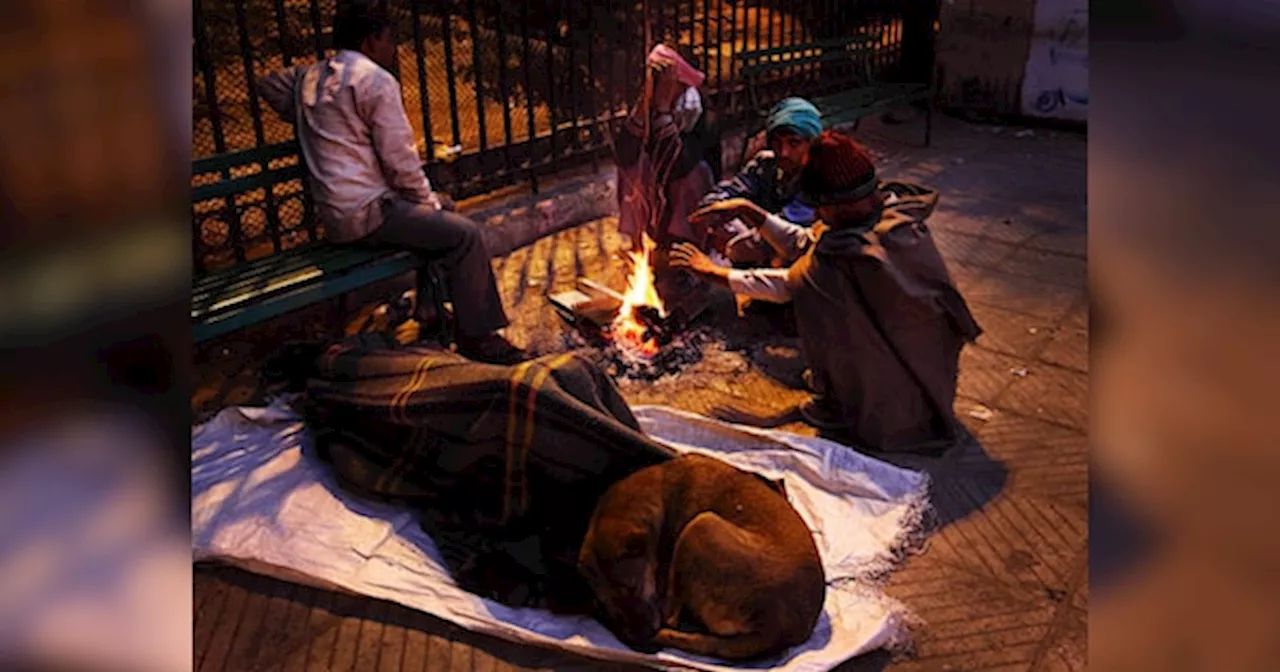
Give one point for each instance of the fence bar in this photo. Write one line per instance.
(450, 71)
(282, 27)
(792, 41)
(627, 54)
(611, 68)
(255, 113)
(205, 64)
(592, 108)
(899, 26)
(884, 32)
(477, 69)
(423, 98)
(662, 22)
(879, 30)
(308, 207)
(769, 43)
(246, 58)
(316, 28)
(733, 40)
(759, 23)
(706, 38)
(210, 81)
(831, 69)
(527, 64)
(693, 24)
(504, 89)
(719, 42)
(552, 31)
(804, 17)
(572, 71)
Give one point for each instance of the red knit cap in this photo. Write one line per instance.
(839, 171)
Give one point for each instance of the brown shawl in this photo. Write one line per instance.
(882, 326)
(657, 189)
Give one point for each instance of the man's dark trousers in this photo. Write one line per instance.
(452, 242)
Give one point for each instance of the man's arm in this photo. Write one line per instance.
(765, 284)
(791, 241)
(277, 90)
(394, 142)
(746, 184)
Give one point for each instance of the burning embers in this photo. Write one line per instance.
(639, 338)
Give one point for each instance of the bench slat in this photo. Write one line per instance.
(842, 43)
(302, 296)
(263, 272)
(763, 61)
(256, 271)
(319, 271)
(257, 155)
(239, 185)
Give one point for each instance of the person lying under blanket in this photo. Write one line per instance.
(515, 456)
(668, 551)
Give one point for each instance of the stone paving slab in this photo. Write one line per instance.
(1002, 583)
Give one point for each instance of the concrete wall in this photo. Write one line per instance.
(1056, 82)
(1027, 57)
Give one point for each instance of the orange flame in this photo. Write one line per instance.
(627, 331)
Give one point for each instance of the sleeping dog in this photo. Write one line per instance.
(696, 555)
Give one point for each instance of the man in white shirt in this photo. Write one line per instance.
(366, 176)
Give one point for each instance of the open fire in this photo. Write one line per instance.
(630, 331)
(634, 334)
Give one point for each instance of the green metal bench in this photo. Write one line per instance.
(851, 105)
(253, 291)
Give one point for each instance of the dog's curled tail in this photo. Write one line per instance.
(728, 647)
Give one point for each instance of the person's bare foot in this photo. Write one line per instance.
(491, 349)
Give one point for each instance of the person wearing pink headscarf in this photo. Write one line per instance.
(665, 153)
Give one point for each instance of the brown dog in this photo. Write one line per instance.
(696, 555)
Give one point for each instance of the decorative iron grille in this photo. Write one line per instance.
(499, 92)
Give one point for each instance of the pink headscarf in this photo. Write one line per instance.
(687, 74)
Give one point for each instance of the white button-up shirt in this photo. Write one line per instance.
(355, 136)
(791, 241)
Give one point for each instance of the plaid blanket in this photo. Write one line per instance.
(492, 444)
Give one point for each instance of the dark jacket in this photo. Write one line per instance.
(882, 326)
(760, 181)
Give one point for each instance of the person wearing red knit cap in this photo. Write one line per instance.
(880, 322)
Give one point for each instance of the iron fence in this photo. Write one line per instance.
(500, 92)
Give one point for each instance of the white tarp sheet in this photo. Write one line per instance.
(261, 500)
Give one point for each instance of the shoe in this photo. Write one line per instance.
(491, 349)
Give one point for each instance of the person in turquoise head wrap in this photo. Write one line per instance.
(769, 180)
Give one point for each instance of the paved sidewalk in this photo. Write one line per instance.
(1002, 584)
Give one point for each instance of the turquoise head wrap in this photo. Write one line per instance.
(796, 114)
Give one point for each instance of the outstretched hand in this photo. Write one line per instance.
(718, 213)
(686, 255)
(666, 85)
